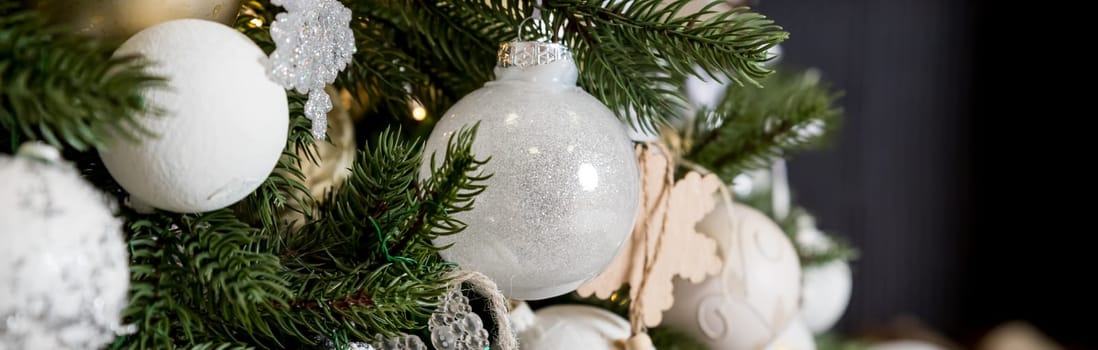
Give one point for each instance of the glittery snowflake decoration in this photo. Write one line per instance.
(454, 326)
(314, 43)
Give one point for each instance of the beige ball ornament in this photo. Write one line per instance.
(120, 19)
(225, 124)
(755, 296)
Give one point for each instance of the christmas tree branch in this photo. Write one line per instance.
(632, 58)
(752, 125)
(199, 277)
(633, 52)
(365, 261)
(284, 190)
(65, 89)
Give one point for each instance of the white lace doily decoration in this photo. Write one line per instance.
(314, 43)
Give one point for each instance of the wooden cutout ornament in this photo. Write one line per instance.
(664, 242)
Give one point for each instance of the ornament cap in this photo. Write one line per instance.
(524, 54)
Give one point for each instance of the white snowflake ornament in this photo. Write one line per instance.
(314, 42)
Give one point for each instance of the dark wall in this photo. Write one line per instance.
(950, 172)
(896, 180)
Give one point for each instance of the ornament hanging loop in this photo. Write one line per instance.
(534, 15)
(518, 36)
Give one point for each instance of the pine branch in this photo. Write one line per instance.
(221, 346)
(365, 261)
(631, 58)
(66, 89)
(160, 317)
(199, 277)
(632, 54)
(284, 190)
(752, 126)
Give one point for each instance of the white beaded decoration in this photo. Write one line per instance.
(314, 43)
(401, 342)
(454, 326)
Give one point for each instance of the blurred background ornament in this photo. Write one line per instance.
(826, 287)
(755, 296)
(64, 273)
(120, 19)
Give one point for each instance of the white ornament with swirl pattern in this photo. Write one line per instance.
(565, 185)
(755, 297)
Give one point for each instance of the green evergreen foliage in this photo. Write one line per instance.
(752, 126)
(361, 262)
(64, 89)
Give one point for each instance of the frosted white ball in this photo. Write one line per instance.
(225, 126)
(756, 294)
(574, 327)
(63, 266)
(796, 336)
(825, 294)
(565, 185)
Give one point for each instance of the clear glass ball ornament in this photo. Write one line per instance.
(565, 185)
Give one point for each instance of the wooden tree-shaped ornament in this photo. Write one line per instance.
(664, 242)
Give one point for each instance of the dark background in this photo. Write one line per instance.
(942, 173)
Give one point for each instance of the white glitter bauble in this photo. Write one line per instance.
(565, 185)
(756, 295)
(122, 18)
(225, 125)
(574, 327)
(825, 294)
(796, 336)
(63, 266)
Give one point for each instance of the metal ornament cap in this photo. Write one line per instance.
(524, 54)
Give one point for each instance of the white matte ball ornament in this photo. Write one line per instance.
(825, 294)
(574, 327)
(63, 267)
(565, 186)
(755, 297)
(225, 125)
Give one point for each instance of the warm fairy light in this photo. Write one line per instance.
(256, 22)
(418, 112)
